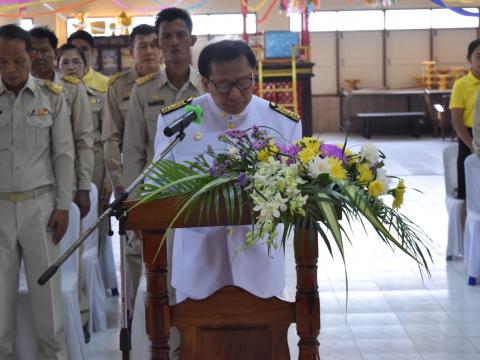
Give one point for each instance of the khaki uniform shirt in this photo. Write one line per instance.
(115, 113)
(150, 94)
(82, 126)
(36, 145)
(95, 80)
(96, 99)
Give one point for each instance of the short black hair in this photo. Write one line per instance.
(222, 51)
(471, 48)
(43, 32)
(172, 14)
(15, 32)
(82, 35)
(66, 47)
(142, 29)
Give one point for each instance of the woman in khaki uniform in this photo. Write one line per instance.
(72, 62)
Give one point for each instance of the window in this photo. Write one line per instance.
(317, 21)
(26, 24)
(447, 19)
(408, 19)
(215, 24)
(202, 24)
(360, 20)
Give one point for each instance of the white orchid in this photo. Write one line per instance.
(369, 153)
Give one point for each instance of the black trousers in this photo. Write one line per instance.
(463, 152)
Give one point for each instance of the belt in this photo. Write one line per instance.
(26, 195)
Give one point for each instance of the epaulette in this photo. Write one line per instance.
(284, 111)
(54, 88)
(71, 79)
(115, 77)
(176, 106)
(145, 79)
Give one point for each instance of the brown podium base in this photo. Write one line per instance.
(232, 324)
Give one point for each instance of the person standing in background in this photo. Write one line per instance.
(462, 106)
(72, 62)
(146, 53)
(176, 81)
(36, 178)
(44, 42)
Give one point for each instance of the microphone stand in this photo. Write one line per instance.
(117, 209)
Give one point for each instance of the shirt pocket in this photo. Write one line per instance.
(5, 130)
(38, 131)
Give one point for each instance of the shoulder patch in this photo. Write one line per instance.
(284, 111)
(70, 79)
(114, 78)
(176, 106)
(54, 88)
(145, 79)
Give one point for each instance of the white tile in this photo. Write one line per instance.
(453, 356)
(425, 331)
(372, 319)
(424, 318)
(386, 346)
(444, 345)
(391, 357)
(378, 332)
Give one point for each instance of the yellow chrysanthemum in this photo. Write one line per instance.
(273, 149)
(307, 154)
(375, 188)
(398, 195)
(263, 155)
(337, 171)
(310, 143)
(365, 175)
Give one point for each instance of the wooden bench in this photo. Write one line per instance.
(414, 118)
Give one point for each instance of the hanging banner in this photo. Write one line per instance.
(23, 4)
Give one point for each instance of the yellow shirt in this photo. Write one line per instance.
(96, 81)
(464, 96)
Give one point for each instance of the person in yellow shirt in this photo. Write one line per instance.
(462, 106)
(93, 79)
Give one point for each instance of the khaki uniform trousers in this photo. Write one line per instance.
(97, 179)
(24, 234)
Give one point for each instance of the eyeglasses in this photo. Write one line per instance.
(226, 87)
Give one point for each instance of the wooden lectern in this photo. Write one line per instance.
(230, 324)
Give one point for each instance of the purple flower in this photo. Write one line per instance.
(333, 151)
(213, 169)
(259, 144)
(236, 134)
(242, 180)
(290, 150)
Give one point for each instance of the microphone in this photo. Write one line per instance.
(192, 114)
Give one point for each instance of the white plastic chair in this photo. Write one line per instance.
(454, 206)
(26, 346)
(94, 287)
(472, 223)
(107, 262)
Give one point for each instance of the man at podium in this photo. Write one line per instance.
(206, 259)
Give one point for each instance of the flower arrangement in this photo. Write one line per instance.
(309, 185)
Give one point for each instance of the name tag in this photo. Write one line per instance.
(156, 102)
(38, 112)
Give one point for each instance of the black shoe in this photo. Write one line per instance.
(115, 292)
(86, 333)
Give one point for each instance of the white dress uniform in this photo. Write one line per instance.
(206, 259)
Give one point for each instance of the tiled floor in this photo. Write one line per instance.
(391, 312)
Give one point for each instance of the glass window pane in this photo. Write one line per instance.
(447, 19)
(139, 20)
(200, 24)
(251, 24)
(26, 24)
(317, 21)
(360, 20)
(408, 19)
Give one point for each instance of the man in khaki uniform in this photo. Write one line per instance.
(44, 42)
(145, 51)
(36, 177)
(176, 81)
